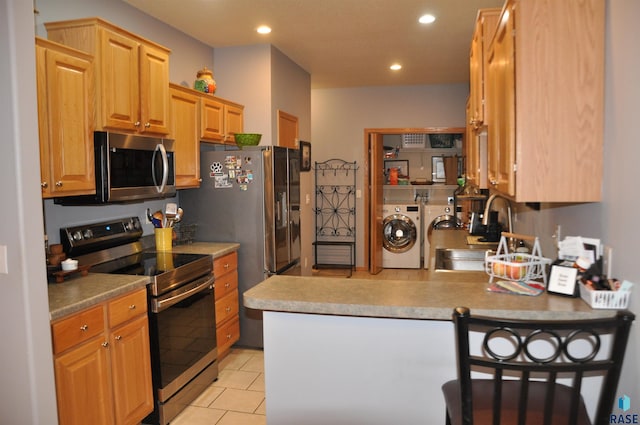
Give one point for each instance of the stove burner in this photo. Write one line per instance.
(147, 263)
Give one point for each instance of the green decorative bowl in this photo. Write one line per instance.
(247, 139)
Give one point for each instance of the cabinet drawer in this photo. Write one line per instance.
(227, 335)
(226, 284)
(225, 264)
(127, 307)
(227, 307)
(78, 328)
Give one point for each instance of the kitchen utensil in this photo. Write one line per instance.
(247, 139)
(171, 209)
(159, 217)
(178, 215)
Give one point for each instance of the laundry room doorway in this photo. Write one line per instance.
(374, 178)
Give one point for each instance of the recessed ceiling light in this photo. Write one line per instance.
(263, 29)
(427, 19)
(395, 67)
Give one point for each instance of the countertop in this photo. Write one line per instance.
(82, 292)
(431, 299)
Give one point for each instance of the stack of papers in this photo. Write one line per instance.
(573, 247)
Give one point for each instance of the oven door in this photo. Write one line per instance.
(183, 335)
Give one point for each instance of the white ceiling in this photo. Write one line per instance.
(341, 43)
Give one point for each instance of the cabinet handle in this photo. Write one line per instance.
(83, 328)
(59, 184)
(105, 344)
(226, 266)
(132, 307)
(228, 336)
(118, 337)
(44, 185)
(136, 124)
(147, 125)
(227, 285)
(228, 309)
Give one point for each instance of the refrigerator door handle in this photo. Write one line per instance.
(285, 211)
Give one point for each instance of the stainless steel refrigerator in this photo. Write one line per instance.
(250, 196)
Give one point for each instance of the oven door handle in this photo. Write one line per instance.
(157, 305)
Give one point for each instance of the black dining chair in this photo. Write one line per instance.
(535, 369)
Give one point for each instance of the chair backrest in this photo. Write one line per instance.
(549, 351)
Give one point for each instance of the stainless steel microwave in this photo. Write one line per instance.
(129, 168)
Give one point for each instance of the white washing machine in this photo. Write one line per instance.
(401, 236)
(435, 216)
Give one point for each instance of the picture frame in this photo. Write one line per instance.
(401, 164)
(437, 169)
(563, 280)
(305, 156)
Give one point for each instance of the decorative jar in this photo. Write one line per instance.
(205, 82)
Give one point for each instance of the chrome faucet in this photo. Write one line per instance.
(485, 216)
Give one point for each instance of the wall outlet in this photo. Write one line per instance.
(557, 235)
(607, 258)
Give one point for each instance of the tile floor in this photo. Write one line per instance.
(237, 397)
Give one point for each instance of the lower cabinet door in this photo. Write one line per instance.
(83, 385)
(227, 334)
(131, 371)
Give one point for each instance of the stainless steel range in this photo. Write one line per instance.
(181, 306)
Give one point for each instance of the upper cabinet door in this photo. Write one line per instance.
(65, 118)
(154, 90)
(501, 92)
(211, 119)
(119, 82)
(483, 33)
(184, 111)
(233, 122)
(546, 101)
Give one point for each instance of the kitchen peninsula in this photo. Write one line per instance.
(358, 351)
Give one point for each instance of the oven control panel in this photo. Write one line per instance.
(90, 237)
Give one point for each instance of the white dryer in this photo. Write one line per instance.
(401, 236)
(435, 216)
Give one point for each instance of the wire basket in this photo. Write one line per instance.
(185, 233)
(517, 266)
(605, 299)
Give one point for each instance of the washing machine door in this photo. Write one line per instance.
(444, 221)
(399, 233)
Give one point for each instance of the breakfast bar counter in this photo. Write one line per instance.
(357, 351)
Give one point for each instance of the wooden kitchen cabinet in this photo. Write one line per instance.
(546, 101)
(132, 74)
(225, 270)
(486, 22)
(65, 83)
(476, 113)
(102, 363)
(184, 111)
(220, 120)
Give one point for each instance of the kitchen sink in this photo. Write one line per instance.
(459, 259)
